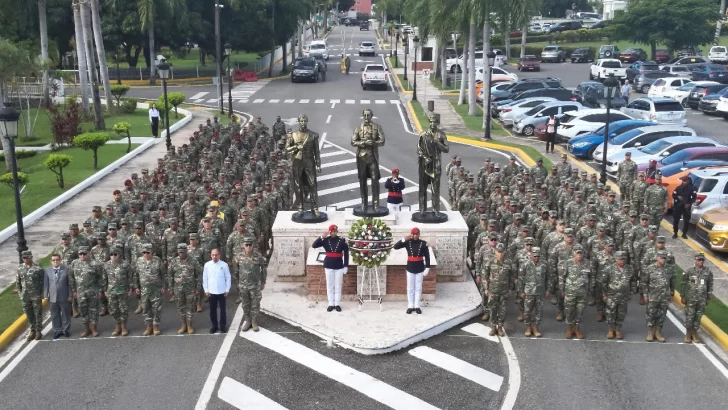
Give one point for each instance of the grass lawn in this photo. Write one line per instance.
(475, 123)
(10, 308)
(191, 60)
(42, 135)
(43, 186)
(406, 84)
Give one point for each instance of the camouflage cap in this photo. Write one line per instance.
(207, 219)
(517, 216)
(146, 247)
(252, 198)
(483, 217)
(536, 251)
(96, 208)
(194, 236)
(564, 156)
(83, 249)
(139, 224)
(525, 228)
(86, 224)
(578, 249)
(662, 254)
(245, 213)
(569, 231)
(528, 241)
(620, 255)
(553, 213)
(123, 221)
(173, 220)
(633, 212)
(248, 239)
(600, 186)
(645, 216)
(601, 226)
(155, 214)
(26, 254)
(500, 247)
(592, 217)
(660, 239)
(583, 173)
(652, 229)
(112, 225)
(506, 198)
(700, 256)
(117, 247)
(539, 181)
(493, 235)
(628, 204)
(101, 235)
(65, 235)
(134, 175)
(73, 226)
(182, 247)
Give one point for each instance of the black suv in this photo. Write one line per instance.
(364, 25)
(525, 85)
(583, 55)
(700, 91)
(305, 69)
(566, 26)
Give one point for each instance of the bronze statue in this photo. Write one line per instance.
(368, 137)
(431, 145)
(303, 150)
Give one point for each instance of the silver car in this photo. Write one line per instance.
(678, 70)
(366, 48)
(556, 54)
(526, 123)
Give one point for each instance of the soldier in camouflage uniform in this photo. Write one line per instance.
(626, 176)
(600, 261)
(195, 252)
(574, 286)
(133, 251)
(98, 222)
(635, 235)
(210, 238)
(558, 255)
(252, 270)
(185, 278)
(615, 283)
(655, 201)
(85, 277)
(154, 232)
(171, 237)
(638, 192)
(482, 258)
(532, 289)
(497, 275)
(641, 249)
(118, 279)
(190, 213)
(696, 289)
(100, 254)
(151, 286)
(659, 288)
(29, 283)
(521, 258)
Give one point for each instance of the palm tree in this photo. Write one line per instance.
(87, 31)
(81, 56)
(147, 15)
(43, 25)
(100, 51)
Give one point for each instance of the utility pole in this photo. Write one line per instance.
(218, 57)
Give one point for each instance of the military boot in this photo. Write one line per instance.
(493, 331)
(147, 331)
(239, 300)
(94, 331)
(560, 316)
(618, 333)
(190, 329)
(31, 336)
(38, 335)
(156, 330)
(139, 308)
(569, 331)
(124, 330)
(658, 335)
(117, 330)
(591, 302)
(86, 330)
(103, 311)
(528, 331)
(600, 317)
(485, 317)
(520, 317)
(688, 336)
(554, 300)
(199, 308)
(578, 333)
(535, 330)
(246, 324)
(182, 327)
(255, 324)
(501, 332)
(650, 335)
(695, 337)
(610, 333)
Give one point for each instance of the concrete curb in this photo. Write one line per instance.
(396, 78)
(16, 329)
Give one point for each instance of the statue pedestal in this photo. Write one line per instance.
(307, 217)
(351, 216)
(371, 212)
(429, 217)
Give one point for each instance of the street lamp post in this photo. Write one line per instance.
(491, 63)
(610, 84)
(415, 40)
(118, 70)
(396, 41)
(228, 55)
(163, 69)
(405, 40)
(8, 133)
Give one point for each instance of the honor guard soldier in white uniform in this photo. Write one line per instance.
(394, 186)
(336, 264)
(418, 266)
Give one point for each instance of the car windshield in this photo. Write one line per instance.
(627, 136)
(366, 43)
(716, 67)
(680, 68)
(655, 147)
(550, 48)
(318, 47)
(650, 67)
(686, 87)
(679, 156)
(304, 64)
(717, 50)
(529, 58)
(535, 110)
(611, 64)
(663, 106)
(375, 68)
(566, 118)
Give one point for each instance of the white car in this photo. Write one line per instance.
(499, 74)
(319, 47)
(575, 123)
(718, 54)
(367, 48)
(527, 122)
(659, 110)
(455, 65)
(509, 112)
(711, 185)
(678, 70)
(662, 85)
(496, 86)
(658, 149)
(640, 137)
(722, 107)
(681, 94)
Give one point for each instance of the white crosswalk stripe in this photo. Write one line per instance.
(365, 102)
(274, 101)
(350, 101)
(258, 101)
(243, 397)
(289, 101)
(320, 101)
(199, 95)
(212, 100)
(304, 101)
(336, 163)
(380, 102)
(460, 367)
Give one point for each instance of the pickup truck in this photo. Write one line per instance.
(374, 75)
(603, 67)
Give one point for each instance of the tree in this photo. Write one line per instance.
(65, 121)
(86, 31)
(14, 61)
(175, 99)
(92, 141)
(148, 10)
(119, 91)
(123, 129)
(7, 179)
(81, 55)
(43, 25)
(56, 163)
(100, 50)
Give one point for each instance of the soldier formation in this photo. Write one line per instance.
(221, 191)
(563, 235)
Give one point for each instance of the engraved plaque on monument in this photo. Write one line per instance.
(289, 257)
(450, 253)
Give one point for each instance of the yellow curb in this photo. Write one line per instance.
(414, 116)
(708, 325)
(396, 78)
(15, 329)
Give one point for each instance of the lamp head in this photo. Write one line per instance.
(9, 117)
(163, 69)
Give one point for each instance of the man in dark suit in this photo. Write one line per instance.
(57, 290)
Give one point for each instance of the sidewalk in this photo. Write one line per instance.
(45, 234)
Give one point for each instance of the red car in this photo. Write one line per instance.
(632, 55)
(690, 154)
(662, 55)
(529, 63)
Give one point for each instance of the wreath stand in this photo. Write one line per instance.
(369, 274)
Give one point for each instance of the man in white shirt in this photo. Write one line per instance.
(216, 283)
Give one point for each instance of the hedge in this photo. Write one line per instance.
(20, 154)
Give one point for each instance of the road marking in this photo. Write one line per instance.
(389, 77)
(328, 119)
(481, 330)
(222, 354)
(212, 100)
(350, 101)
(514, 375)
(331, 154)
(304, 101)
(199, 95)
(352, 202)
(337, 175)
(258, 101)
(701, 347)
(335, 101)
(289, 101)
(460, 367)
(323, 138)
(243, 101)
(242, 397)
(199, 101)
(337, 163)
(320, 101)
(19, 358)
(361, 382)
(346, 187)
(380, 102)
(274, 101)
(395, 102)
(365, 102)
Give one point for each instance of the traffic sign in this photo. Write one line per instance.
(426, 73)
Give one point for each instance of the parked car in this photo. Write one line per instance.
(631, 55)
(499, 75)
(712, 229)
(710, 72)
(718, 54)
(582, 55)
(711, 191)
(583, 146)
(687, 60)
(681, 94)
(643, 81)
(593, 97)
(526, 123)
(608, 51)
(688, 51)
(555, 54)
(604, 67)
(584, 121)
(640, 67)
(305, 69)
(709, 103)
(700, 91)
(722, 107)
(672, 174)
(565, 26)
(639, 137)
(677, 70)
(455, 65)
(525, 85)
(509, 112)
(494, 87)
(659, 110)
(367, 48)
(690, 154)
(529, 63)
(658, 149)
(374, 75)
(663, 85)
(599, 24)
(581, 88)
(662, 55)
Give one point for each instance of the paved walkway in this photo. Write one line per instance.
(45, 234)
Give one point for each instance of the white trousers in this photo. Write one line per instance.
(334, 279)
(394, 207)
(414, 289)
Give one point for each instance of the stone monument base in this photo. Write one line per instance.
(371, 212)
(308, 217)
(429, 217)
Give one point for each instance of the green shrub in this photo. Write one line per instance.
(92, 141)
(128, 105)
(175, 99)
(7, 179)
(119, 91)
(56, 163)
(122, 129)
(20, 154)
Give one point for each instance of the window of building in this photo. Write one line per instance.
(426, 54)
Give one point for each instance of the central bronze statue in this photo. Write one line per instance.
(430, 146)
(368, 137)
(303, 149)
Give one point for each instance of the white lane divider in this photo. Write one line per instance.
(199, 95)
(243, 397)
(337, 163)
(481, 330)
(361, 382)
(460, 367)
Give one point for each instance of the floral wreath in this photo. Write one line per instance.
(370, 241)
